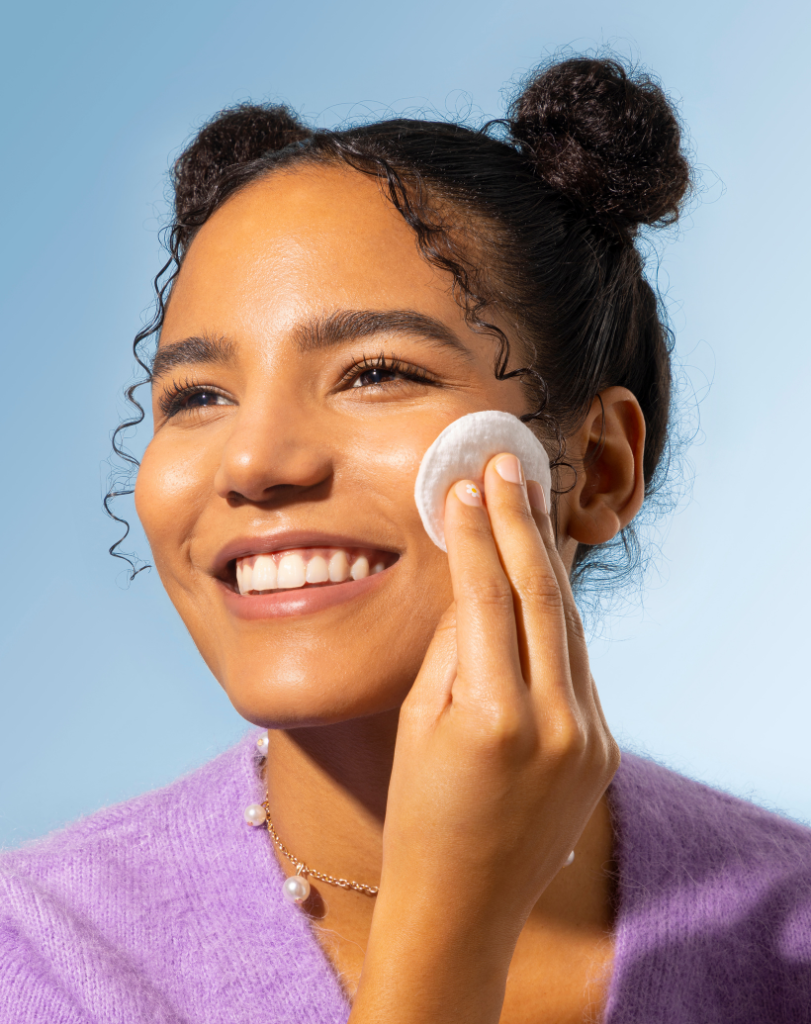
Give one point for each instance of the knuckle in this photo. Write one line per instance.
(574, 624)
(504, 733)
(494, 592)
(577, 742)
(511, 501)
(613, 757)
(569, 740)
(474, 528)
(602, 758)
(588, 749)
(504, 725)
(520, 510)
(536, 585)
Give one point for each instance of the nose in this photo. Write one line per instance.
(273, 455)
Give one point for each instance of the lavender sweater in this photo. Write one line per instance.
(168, 909)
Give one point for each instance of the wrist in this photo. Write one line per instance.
(428, 960)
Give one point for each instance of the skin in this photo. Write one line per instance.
(439, 732)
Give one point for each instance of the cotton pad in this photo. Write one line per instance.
(462, 451)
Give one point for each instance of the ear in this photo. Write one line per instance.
(610, 485)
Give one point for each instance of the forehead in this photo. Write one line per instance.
(302, 241)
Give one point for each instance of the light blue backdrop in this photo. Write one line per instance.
(103, 694)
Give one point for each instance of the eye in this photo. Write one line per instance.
(378, 375)
(183, 398)
(200, 399)
(383, 370)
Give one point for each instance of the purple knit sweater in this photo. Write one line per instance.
(168, 909)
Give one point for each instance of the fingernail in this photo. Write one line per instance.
(509, 468)
(468, 493)
(537, 498)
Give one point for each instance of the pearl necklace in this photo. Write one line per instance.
(296, 889)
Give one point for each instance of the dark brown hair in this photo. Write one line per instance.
(552, 197)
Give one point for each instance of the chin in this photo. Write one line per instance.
(285, 700)
(354, 659)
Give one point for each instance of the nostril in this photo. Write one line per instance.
(250, 474)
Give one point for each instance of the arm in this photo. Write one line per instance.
(502, 755)
(30, 992)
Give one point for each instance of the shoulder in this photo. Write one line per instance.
(130, 834)
(714, 898)
(101, 911)
(708, 823)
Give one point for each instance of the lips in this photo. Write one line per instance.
(297, 572)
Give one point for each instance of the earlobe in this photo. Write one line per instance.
(610, 486)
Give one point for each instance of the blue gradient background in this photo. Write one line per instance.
(103, 693)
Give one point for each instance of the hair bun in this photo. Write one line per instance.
(231, 138)
(606, 138)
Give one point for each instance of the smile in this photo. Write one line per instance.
(271, 572)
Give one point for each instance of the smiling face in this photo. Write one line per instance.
(308, 359)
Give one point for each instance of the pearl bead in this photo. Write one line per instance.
(255, 814)
(262, 744)
(569, 860)
(296, 889)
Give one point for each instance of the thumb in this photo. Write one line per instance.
(431, 692)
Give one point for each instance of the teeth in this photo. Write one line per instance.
(360, 569)
(244, 575)
(338, 567)
(264, 573)
(291, 572)
(317, 570)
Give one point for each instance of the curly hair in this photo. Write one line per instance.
(552, 198)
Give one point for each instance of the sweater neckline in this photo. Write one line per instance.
(294, 927)
(269, 877)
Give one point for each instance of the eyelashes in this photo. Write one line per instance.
(382, 366)
(178, 398)
(377, 372)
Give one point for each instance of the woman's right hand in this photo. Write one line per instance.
(502, 756)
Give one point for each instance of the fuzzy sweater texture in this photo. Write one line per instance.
(167, 909)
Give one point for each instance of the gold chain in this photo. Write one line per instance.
(302, 869)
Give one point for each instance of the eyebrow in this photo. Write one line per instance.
(191, 351)
(349, 325)
(323, 332)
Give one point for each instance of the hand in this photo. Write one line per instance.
(502, 756)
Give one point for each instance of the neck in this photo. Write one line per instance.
(327, 790)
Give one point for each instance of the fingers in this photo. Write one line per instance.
(576, 637)
(486, 636)
(530, 560)
(431, 692)
(551, 639)
(516, 613)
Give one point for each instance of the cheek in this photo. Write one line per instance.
(383, 470)
(170, 493)
(382, 467)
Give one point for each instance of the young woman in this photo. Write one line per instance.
(432, 750)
